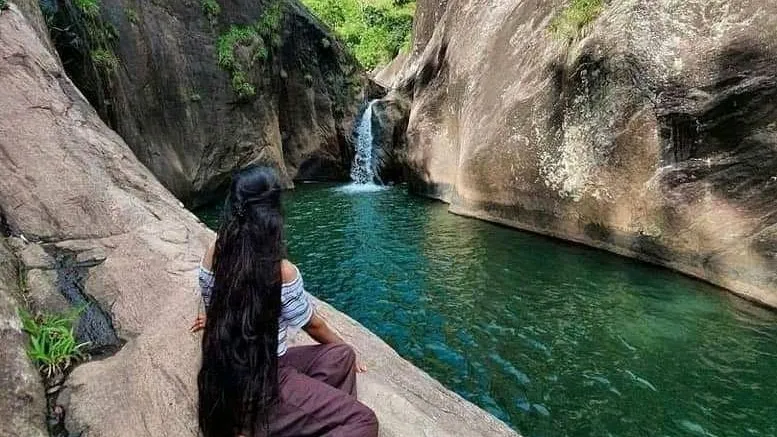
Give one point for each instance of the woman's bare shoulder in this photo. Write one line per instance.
(207, 259)
(289, 271)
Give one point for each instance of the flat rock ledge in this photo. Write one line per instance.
(408, 401)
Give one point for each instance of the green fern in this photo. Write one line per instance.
(132, 15)
(105, 60)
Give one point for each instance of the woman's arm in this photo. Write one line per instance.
(316, 327)
(320, 331)
(205, 289)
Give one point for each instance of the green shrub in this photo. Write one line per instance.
(575, 17)
(374, 30)
(269, 24)
(3, 5)
(229, 41)
(241, 86)
(132, 15)
(90, 8)
(53, 347)
(105, 60)
(211, 9)
(257, 39)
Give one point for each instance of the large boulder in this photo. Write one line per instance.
(158, 82)
(69, 184)
(389, 125)
(650, 132)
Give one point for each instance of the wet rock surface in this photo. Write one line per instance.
(652, 133)
(390, 117)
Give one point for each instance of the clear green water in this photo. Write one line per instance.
(555, 339)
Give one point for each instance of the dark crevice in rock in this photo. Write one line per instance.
(86, 45)
(55, 411)
(433, 67)
(5, 227)
(95, 324)
(679, 134)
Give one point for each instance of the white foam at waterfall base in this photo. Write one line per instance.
(355, 188)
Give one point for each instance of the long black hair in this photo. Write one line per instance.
(238, 380)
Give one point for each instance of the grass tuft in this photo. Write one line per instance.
(571, 21)
(53, 347)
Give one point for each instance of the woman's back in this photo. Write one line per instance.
(250, 382)
(296, 309)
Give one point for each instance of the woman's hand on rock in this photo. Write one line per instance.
(359, 365)
(199, 323)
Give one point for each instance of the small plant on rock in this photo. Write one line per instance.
(210, 8)
(132, 15)
(3, 5)
(90, 8)
(53, 347)
(575, 17)
(254, 40)
(105, 60)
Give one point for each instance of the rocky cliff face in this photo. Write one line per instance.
(199, 88)
(651, 133)
(89, 224)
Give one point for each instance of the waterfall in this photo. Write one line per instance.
(363, 169)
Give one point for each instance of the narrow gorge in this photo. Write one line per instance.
(438, 157)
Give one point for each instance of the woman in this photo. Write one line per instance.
(250, 382)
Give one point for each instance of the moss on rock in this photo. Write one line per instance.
(257, 40)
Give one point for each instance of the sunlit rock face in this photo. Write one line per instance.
(651, 133)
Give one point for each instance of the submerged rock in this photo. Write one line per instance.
(68, 182)
(651, 132)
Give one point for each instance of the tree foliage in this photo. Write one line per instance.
(374, 30)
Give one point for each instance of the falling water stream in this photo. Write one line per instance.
(363, 168)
